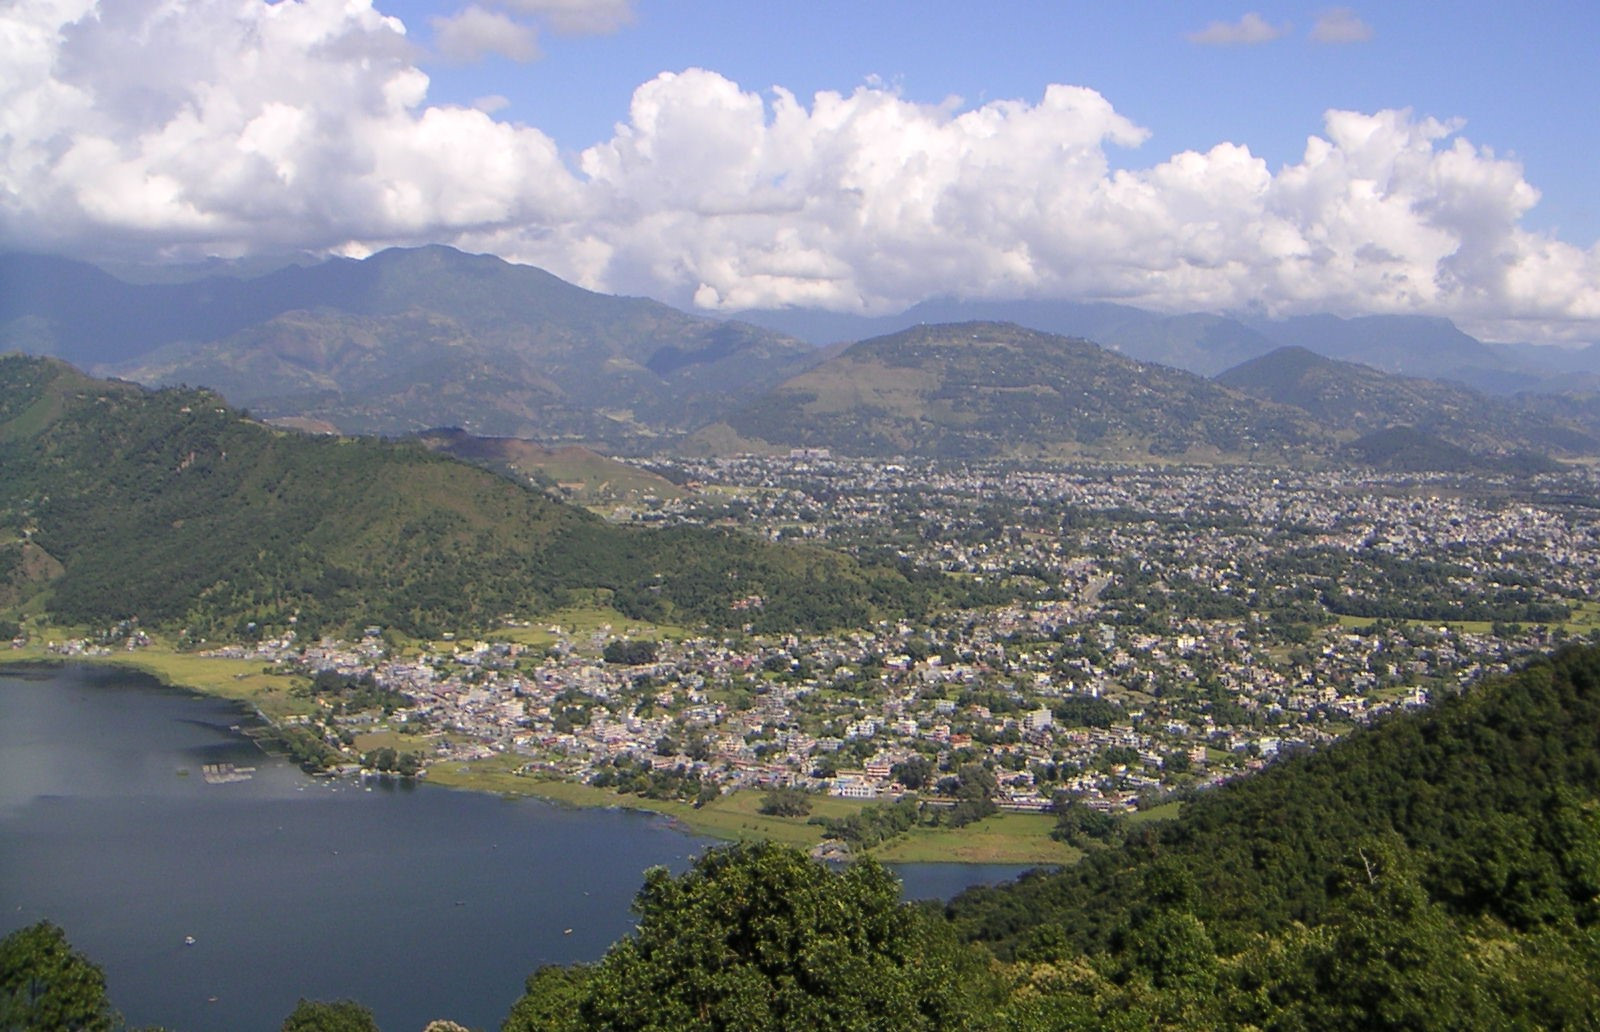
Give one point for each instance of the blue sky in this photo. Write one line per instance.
(856, 156)
(1524, 81)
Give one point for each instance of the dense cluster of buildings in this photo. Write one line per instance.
(1166, 628)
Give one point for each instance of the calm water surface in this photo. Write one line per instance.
(417, 901)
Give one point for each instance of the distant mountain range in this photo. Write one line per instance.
(986, 390)
(1208, 344)
(410, 340)
(1353, 399)
(403, 341)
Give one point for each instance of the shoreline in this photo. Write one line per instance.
(1007, 838)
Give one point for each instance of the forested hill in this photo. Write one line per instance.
(1438, 870)
(170, 507)
(982, 390)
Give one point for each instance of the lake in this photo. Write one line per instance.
(418, 901)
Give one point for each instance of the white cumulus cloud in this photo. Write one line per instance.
(190, 127)
(222, 127)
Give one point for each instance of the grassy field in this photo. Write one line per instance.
(731, 817)
(580, 622)
(1002, 839)
(1585, 619)
(1005, 838)
(1164, 812)
(240, 679)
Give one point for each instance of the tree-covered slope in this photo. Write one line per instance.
(994, 389)
(1354, 399)
(173, 508)
(1444, 860)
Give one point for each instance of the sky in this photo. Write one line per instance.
(1181, 156)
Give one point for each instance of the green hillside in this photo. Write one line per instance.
(175, 509)
(574, 472)
(978, 390)
(1407, 449)
(1439, 870)
(1354, 399)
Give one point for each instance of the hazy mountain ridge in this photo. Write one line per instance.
(412, 339)
(1354, 399)
(1209, 343)
(993, 389)
(347, 341)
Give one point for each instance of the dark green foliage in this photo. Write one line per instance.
(1440, 870)
(872, 825)
(550, 1001)
(46, 985)
(1088, 711)
(973, 788)
(786, 802)
(171, 508)
(1078, 825)
(915, 773)
(629, 652)
(338, 1016)
(639, 777)
(757, 937)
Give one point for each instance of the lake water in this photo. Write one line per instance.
(417, 901)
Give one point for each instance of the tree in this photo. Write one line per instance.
(46, 984)
(550, 1001)
(338, 1016)
(1078, 825)
(629, 652)
(915, 772)
(974, 788)
(786, 802)
(758, 937)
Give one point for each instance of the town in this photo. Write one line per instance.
(1155, 630)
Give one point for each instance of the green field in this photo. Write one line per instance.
(579, 622)
(730, 817)
(243, 680)
(1585, 620)
(1005, 838)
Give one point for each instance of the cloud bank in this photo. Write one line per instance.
(189, 127)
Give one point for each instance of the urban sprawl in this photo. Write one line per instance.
(1165, 628)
